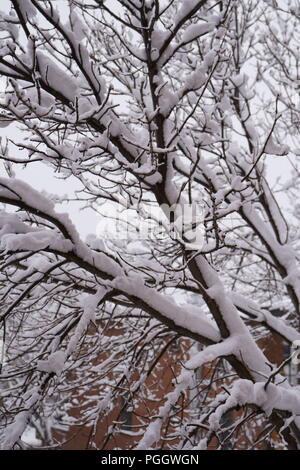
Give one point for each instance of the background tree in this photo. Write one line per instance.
(151, 106)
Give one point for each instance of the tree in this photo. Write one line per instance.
(167, 112)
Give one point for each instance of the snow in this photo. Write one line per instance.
(11, 223)
(187, 6)
(184, 380)
(15, 430)
(89, 304)
(27, 9)
(196, 30)
(276, 213)
(209, 58)
(193, 81)
(78, 27)
(57, 78)
(273, 148)
(34, 241)
(272, 398)
(158, 37)
(263, 315)
(165, 307)
(54, 364)
(7, 23)
(17, 191)
(225, 348)
(29, 437)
